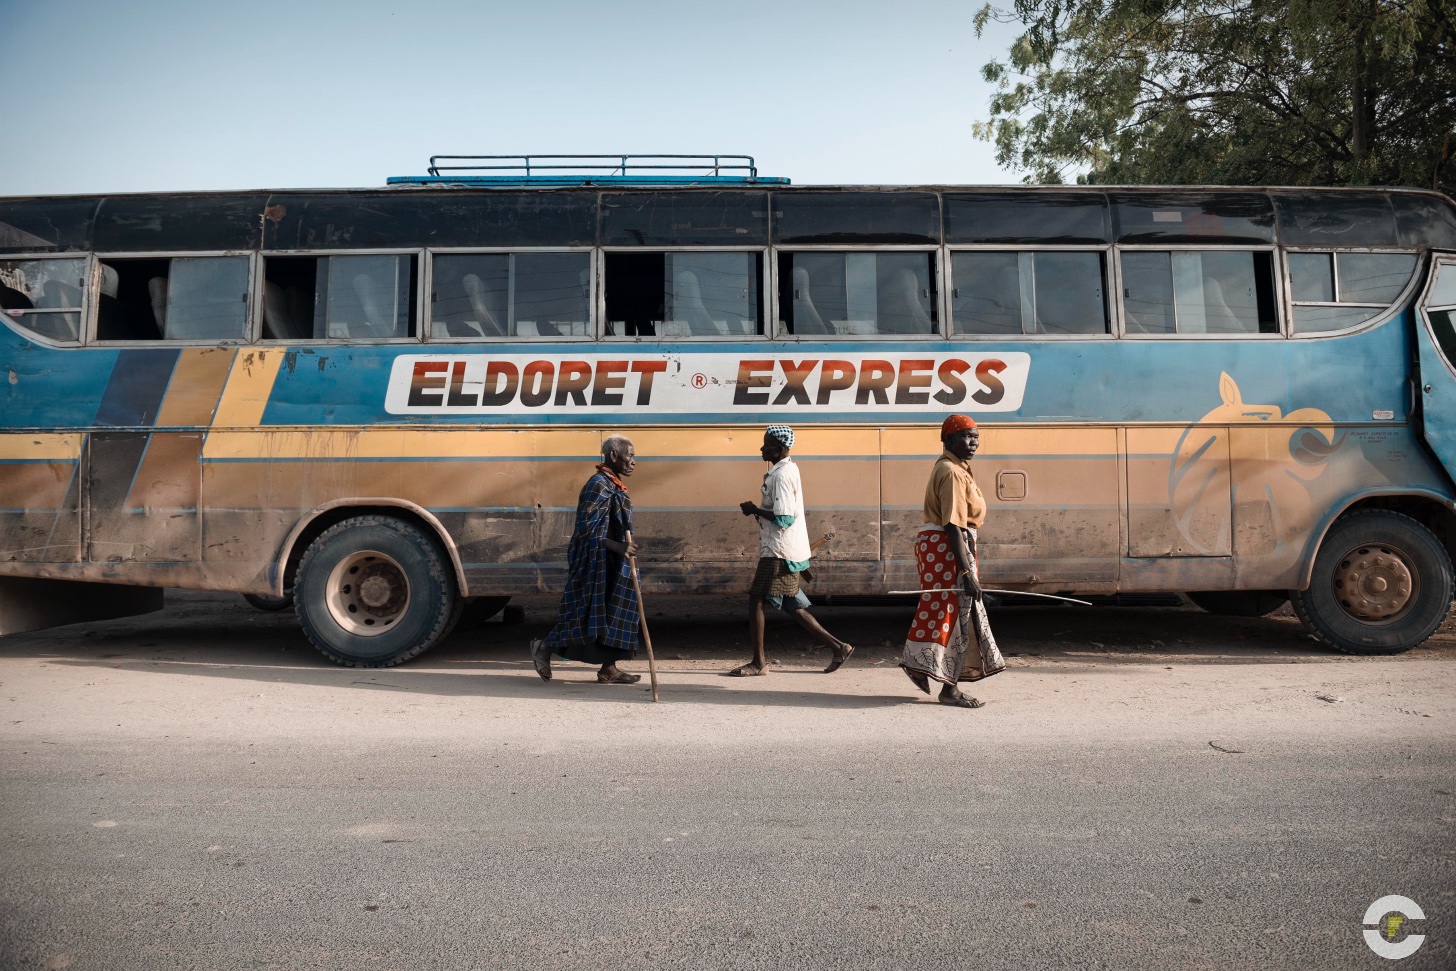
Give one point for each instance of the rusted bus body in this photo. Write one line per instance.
(1118, 458)
(1090, 508)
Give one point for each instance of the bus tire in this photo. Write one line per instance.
(1381, 584)
(478, 610)
(1240, 603)
(373, 591)
(263, 601)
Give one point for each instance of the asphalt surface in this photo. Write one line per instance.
(1147, 788)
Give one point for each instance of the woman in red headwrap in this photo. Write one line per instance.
(938, 646)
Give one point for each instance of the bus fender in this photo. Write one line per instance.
(1317, 535)
(365, 502)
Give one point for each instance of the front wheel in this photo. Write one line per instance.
(1382, 584)
(373, 591)
(1240, 603)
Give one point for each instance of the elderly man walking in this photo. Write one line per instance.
(939, 644)
(598, 621)
(783, 554)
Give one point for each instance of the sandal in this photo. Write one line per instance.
(960, 700)
(749, 670)
(618, 677)
(917, 678)
(541, 658)
(839, 658)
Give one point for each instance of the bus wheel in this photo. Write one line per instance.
(478, 610)
(373, 591)
(269, 603)
(1382, 584)
(1240, 603)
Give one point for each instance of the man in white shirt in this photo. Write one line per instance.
(783, 550)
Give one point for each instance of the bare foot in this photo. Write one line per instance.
(956, 699)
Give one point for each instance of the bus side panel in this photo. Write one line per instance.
(40, 498)
(1310, 475)
(146, 492)
(1054, 503)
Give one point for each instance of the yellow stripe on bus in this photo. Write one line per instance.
(249, 383)
(229, 441)
(1013, 439)
(33, 447)
(403, 443)
(197, 381)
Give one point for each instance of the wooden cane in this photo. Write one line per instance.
(642, 615)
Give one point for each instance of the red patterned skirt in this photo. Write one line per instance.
(940, 643)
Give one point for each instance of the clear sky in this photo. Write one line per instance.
(197, 94)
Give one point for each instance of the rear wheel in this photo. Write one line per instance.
(1382, 584)
(272, 604)
(373, 591)
(1240, 603)
(478, 610)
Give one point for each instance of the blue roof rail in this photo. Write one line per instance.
(516, 170)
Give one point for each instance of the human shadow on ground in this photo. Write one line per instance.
(216, 635)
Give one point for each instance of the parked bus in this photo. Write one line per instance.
(386, 400)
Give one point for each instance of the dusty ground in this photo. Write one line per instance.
(1148, 788)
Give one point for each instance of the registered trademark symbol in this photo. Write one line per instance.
(699, 379)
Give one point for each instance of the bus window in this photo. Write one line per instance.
(691, 293)
(1194, 293)
(511, 295)
(857, 294)
(184, 298)
(1333, 291)
(339, 297)
(44, 296)
(998, 293)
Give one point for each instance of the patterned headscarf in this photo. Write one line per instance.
(956, 423)
(783, 433)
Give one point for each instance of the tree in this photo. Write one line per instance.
(1237, 92)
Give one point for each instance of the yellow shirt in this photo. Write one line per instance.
(952, 495)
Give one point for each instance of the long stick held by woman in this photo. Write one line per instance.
(939, 644)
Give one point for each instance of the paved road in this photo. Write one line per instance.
(1146, 789)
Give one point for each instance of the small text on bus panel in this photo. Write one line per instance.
(688, 383)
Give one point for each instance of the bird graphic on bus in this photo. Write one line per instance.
(1268, 474)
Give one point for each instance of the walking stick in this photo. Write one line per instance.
(642, 615)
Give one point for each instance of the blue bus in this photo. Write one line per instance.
(383, 400)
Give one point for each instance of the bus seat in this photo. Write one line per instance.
(527, 328)
(279, 321)
(476, 292)
(1221, 318)
(157, 290)
(56, 294)
(110, 281)
(688, 305)
(13, 299)
(806, 315)
(471, 328)
(902, 312)
(378, 320)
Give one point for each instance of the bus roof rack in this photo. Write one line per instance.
(517, 170)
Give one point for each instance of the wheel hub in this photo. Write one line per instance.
(1375, 583)
(367, 592)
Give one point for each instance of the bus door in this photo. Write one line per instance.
(143, 493)
(1437, 342)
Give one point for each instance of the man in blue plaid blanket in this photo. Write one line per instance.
(598, 621)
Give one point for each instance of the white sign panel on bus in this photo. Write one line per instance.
(690, 384)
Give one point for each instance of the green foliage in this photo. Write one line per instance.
(1238, 92)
